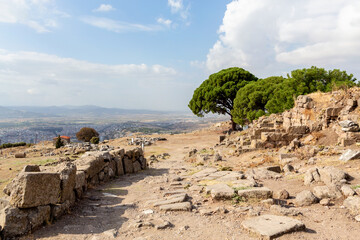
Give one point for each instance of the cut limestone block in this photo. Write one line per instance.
(258, 193)
(270, 226)
(183, 206)
(220, 191)
(32, 189)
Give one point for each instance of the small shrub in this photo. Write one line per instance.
(59, 143)
(85, 134)
(95, 140)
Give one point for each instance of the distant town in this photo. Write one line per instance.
(36, 132)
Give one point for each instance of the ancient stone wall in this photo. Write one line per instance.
(40, 195)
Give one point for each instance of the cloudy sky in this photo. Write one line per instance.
(145, 54)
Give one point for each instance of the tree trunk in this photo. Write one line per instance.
(233, 125)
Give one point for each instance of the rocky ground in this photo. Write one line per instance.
(183, 196)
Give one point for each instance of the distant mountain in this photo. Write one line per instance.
(67, 111)
(13, 113)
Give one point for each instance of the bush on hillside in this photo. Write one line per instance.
(95, 140)
(85, 134)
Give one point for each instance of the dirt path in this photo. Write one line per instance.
(123, 208)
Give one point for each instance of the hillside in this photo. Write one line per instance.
(299, 169)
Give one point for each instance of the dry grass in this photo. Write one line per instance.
(266, 159)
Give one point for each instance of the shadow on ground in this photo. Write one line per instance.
(101, 210)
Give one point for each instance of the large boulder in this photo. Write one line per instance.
(322, 192)
(32, 189)
(332, 175)
(305, 198)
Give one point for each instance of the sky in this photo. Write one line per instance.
(143, 54)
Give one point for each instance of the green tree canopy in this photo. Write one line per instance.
(276, 94)
(217, 93)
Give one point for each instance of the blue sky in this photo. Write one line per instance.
(152, 54)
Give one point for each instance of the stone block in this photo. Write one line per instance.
(136, 166)
(255, 193)
(119, 166)
(271, 226)
(34, 189)
(128, 165)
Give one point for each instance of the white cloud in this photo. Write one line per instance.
(40, 15)
(269, 37)
(166, 22)
(177, 6)
(104, 8)
(31, 78)
(118, 26)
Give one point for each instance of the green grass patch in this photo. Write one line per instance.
(355, 187)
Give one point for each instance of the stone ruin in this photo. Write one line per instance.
(139, 141)
(277, 130)
(40, 195)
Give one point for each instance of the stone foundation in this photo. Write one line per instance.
(40, 195)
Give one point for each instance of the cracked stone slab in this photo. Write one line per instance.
(271, 226)
(220, 191)
(174, 199)
(183, 206)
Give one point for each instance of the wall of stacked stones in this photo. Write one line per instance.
(40, 195)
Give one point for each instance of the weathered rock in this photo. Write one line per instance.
(128, 165)
(305, 198)
(20, 155)
(231, 176)
(182, 206)
(347, 191)
(31, 168)
(258, 193)
(262, 173)
(332, 175)
(270, 226)
(38, 216)
(173, 199)
(322, 192)
(220, 191)
(143, 162)
(67, 173)
(288, 168)
(14, 222)
(32, 189)
(119, 166)
(136, 166)
(353, 204)
(312, 175)
(80, 179)
(92, 162)
(286, 211)
(58, 210)
(349, 155)
(325, 202)
(349, 126)
(283, 194)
